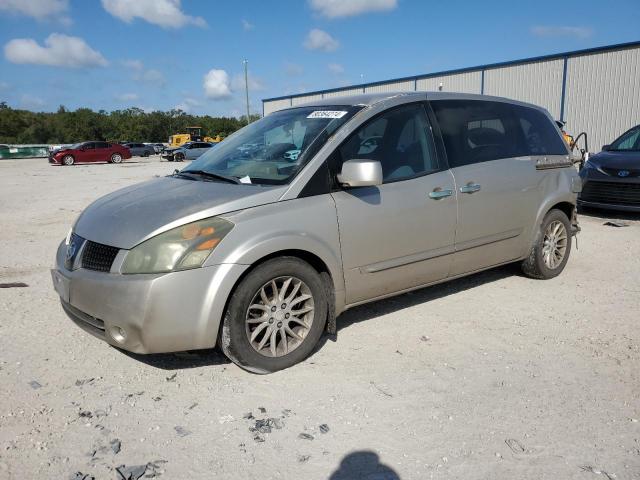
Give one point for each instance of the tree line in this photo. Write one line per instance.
(132, 124)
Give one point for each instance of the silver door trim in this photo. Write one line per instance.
(478, 242)
(407, 260)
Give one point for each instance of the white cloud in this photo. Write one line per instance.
(293, 69)
(335, 68)
(348, 8)
(31, 102)
(165, 13)
(216, 84)
(551, 31)
(59, 50)
(142, 74)
(38, 9)
(247, 25)
(188, 104)
(255, 84)
(134, 64)
(320, 40)
(127, 97)
(153, 76)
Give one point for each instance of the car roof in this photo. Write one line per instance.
(370, 99)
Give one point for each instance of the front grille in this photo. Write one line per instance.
(98, 257)
(614, 172)
(612, 192)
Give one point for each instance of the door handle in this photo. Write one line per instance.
(470, 188)
(439, 193)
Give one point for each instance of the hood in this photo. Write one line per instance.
(617, 160)
(131, 215)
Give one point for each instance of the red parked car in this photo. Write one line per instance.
(90, 152)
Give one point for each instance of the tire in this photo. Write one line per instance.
(543, 262)
(178, 157)
(146, 154)
(116, 158)
(68, 160)
(236, 331)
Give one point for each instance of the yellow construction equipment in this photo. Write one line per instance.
(194, 134)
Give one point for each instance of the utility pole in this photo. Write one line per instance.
(246, 87)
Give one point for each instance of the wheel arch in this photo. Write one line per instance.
(332, 280)
(564, 203)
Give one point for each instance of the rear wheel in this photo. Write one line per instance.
(179, 157)
(551, 249)
(116, 158)
(275, 316)
(146, 153)
(68, 160)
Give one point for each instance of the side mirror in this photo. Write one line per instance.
(360, 173)
(606, 147)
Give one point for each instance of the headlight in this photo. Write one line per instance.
(182, 248)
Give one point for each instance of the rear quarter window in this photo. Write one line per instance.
(476, 131)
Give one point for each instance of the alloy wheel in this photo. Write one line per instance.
(279, 316)
(554, 245)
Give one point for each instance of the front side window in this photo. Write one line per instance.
(629, 141)
(400, 139)
(272, 150)
(89, 146)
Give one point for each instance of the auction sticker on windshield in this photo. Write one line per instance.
(327, 114)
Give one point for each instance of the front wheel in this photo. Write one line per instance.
(179, 157)
(68, 160)
(275, 317)
(551, 249)
(116, 158)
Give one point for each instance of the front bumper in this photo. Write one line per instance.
(147, 313)
(609, 192)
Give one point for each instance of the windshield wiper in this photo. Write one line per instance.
(203, 173)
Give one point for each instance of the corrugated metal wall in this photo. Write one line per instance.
(469, 82)
(603, 95)
(347, 92)
(391, 87)
(275, 105)
(307, 98)
(601, 88)
(539, 83)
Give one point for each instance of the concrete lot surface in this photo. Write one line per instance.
(495, 376)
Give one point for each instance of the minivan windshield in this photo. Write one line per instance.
(629, 141)
(273, 149)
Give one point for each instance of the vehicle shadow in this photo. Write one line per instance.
(181, 360)
(363, 464)
(423, 295)
(210, 357)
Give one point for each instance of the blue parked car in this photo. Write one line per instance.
(188, 151)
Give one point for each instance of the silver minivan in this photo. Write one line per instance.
(257, 252)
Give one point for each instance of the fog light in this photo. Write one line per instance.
(118, 334)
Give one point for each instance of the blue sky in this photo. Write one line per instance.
(162, 54)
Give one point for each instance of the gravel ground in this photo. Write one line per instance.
(492, 376)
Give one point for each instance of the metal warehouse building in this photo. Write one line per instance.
(595, 91)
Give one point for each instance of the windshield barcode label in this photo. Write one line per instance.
(327, 114)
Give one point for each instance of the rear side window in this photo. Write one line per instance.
(476, 131)
(540, 135)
